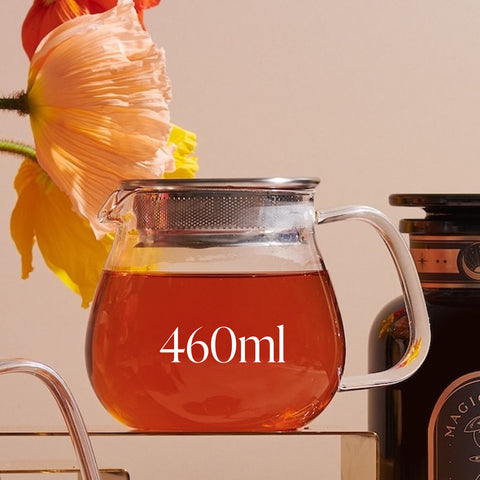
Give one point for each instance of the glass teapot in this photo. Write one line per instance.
(215, 311)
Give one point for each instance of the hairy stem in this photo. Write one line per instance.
(17, 102)
(18, 149)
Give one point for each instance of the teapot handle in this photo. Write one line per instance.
(418, 321)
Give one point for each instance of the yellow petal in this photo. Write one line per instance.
(98, 95)
(66, 240)
(22, 220)
(186, 163)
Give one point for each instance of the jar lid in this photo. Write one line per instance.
(446, 214)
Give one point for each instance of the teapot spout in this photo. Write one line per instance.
(110, 211)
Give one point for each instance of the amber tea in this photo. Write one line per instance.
(222, 352)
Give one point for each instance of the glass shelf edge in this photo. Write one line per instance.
(101, 431)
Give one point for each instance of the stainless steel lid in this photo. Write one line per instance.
(221, 206)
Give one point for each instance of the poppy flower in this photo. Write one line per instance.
(45, 15)
(98, 99)
(67, 243)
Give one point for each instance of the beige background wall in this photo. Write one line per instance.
(373, 97)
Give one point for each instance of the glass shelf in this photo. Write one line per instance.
(123, 454)
(128, 454)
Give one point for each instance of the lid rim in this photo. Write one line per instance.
(271, 183)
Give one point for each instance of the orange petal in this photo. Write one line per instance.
(45, 16)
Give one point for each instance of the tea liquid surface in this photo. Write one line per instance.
(215, 352)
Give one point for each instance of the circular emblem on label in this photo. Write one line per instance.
(469, 261)
(454, 431)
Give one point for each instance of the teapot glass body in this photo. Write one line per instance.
(215, 311)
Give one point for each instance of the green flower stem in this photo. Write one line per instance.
(17, 102)
(18, 149)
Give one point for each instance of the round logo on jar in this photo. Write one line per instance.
(454, 431)
(469, 261)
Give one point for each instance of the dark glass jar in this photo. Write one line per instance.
(428, 424)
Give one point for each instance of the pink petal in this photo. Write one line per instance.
(98, 94)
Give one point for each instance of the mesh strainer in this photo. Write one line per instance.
(220, 205)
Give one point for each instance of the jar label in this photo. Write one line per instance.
(447, 262)
(454, 432)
